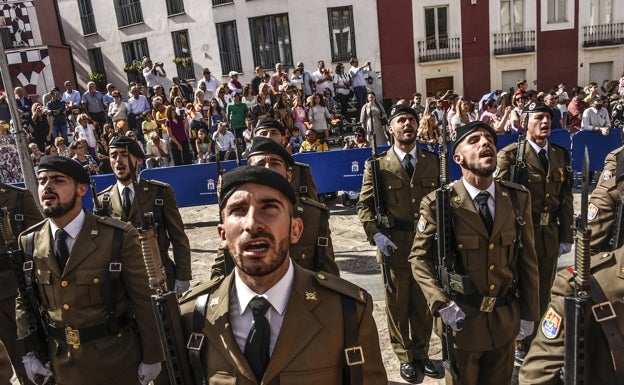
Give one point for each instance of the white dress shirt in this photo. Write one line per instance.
(473, 191)
(72, 229)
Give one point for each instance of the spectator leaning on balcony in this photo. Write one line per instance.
(596, 118)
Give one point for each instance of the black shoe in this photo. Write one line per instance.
(409, 372)
(429, 368)
(519, 356)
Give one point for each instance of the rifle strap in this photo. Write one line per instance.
(303, 188)
(158, 206)
(513, 195)
(196, 339)
(114, 269)
(28, 266)
(322, 241)
(353, 351)
(19, 213)
(610, 330)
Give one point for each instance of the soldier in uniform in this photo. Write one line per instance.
(24, 213)
(545, 360)
(154, 196)
(91, 280)
(247, 326)
(407, 174)
(549, 180)
(602, 211)
(503, 303)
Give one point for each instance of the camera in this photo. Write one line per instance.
(158, 64)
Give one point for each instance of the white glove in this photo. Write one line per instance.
(383, 243)
(148, 372)
(36, 371)
(564, 248)
(181, 286)
(526, 329)
(453, 316)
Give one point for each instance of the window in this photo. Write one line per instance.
(600, 12)
(228, 46)
(557, 11)
(5, 35)
(512, 15)
(174, 7)
(220, 2)
(86, 17)
(270, 40)
(128, 12)
(182, 52)
(341, 33)
(98, 72)
(436, 27)
(133, 52)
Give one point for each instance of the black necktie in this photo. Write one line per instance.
(62, 251)
(484, 210)
(543, 159)
(127, 203)
(409, 168)
(259, 338)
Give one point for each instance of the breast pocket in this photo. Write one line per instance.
(428, 184)
(472, 258)
(508, 247)
(43, 278)
(392, 190)
(90, 287)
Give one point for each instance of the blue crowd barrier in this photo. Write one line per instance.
(598, 146)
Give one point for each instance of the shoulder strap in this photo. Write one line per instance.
(322, 241)
(604, 315)
(158, 206)
(196, 339)
(354, 355)
(19, 213)
(114, 269)
(520, 222)
(303, 187)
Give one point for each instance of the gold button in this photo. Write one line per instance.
(96, 280)
(412, 185)
(460, 246)
(76, 346)
(64, 283)
(492, 286)
(389, 187)
(415, 215)
(413, 200)
(491, 246)
(119, 335)
(605, 255)
(321, 276)
(546, 208)
(66, 306)
(492, 267)
(547, 195)
(302, 255)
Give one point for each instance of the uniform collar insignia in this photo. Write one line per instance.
(310, 296)
(214, 301)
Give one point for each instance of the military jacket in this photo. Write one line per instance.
(303, 181)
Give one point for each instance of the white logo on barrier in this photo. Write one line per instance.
(355, 166)
(211, 184)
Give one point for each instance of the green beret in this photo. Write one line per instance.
(401, 109)
(64, 165)
(262, 145)
(239, 176)
(132, 146)
(462, 132)
(270, 123)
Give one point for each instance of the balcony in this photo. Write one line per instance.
(603, 35)
(221, 2)
(514, 42)
(438, 49)
(88, 24)
(129, 13)
(5, 36)
(175, 7)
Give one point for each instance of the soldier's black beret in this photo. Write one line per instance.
(537, 107)
(401, 109)
(462, 132)
(123, 141)
(262, 145)
(232, 180)
(270, 123)
(64, 165)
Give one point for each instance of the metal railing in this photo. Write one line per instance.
(88, 24)
(129, 13)
(5, 36)
(175, 7)
(603, 35)
(220, 2)
(439, 49)
(514, 42)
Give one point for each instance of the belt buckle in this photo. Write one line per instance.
(354, 355)
(195, 341)
(603, 311)
(487, 304)
(72, 337)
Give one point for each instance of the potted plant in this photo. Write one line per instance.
(135, 67)
(185, 61)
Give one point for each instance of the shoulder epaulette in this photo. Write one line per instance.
(36, 226)
(157, 183)
(311, 202)
(341, 286)
(513, 185)
(200, 289)
(559, 146)
(511, 147)
(600, 259)
(427, 152)
(304, 165)
(11, 187)
(114, 223)
(106, 190)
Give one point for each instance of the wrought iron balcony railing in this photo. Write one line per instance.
(439, 49)
(220, 2)
(514, 42)
(603, 35)
(129, 14)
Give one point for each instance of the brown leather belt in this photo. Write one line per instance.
(75, 337)
(484, 303)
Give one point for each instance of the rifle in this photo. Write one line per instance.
(382, 217)
(36, 338)
(451, 282)
(578, 308)
(164, 302)
(617, 237)
(99, 208)
(518, 171)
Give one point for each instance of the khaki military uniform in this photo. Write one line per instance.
(170, 228)
(552, 201)
(313, 354)
(78, 297)
(8, 286)
(316, 235)
(485, 345)
(409, 321)
(602, 210)
(303, 181)
(546, 357)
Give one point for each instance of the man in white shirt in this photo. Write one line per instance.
(358, 82)
(138, 106)
(71, 97)
(225, 141)
(596, 118)
(211, 85)
(322, 78)
(153, 74)
(156, 152)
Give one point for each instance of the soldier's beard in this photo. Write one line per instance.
(60, 209)
(253, 269)
(480, 171)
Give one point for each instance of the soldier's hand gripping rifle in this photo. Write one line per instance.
(36, 339)
(451, 282)
(578, 308)
(384, 220)
(518, 171)
(164, 302)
